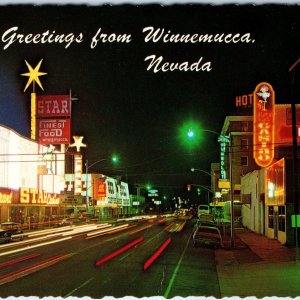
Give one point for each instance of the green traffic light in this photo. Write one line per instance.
(115, 159)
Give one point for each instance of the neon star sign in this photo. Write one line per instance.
(78, 143)
(33, 74)
(263, 124)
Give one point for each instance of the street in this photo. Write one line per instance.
(67, 265)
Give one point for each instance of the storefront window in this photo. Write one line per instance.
(271, 216)
(17, 214)
(281, 218)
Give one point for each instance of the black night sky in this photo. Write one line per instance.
(126, 109)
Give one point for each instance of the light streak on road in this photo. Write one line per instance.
(8, 277)
(156, 254)
(119, 251)
(84, 230)
(105, 231)
(141, 229)
(65, 228)
(18, 260)
(54, 234)
(34, 246)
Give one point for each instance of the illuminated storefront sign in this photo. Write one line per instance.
(37, 196)
(275, 183)
(263, 124)
(6, 196)
(53, 106)
(101, 191)
(78, 173)
(54, 131)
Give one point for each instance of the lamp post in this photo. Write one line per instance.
(87, 166)
(190, 134)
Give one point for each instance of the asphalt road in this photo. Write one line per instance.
(67, 266)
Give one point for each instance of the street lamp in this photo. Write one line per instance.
(203, 171)
(87, 167)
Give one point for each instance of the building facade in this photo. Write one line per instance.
(31, 176)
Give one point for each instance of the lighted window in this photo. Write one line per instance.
(110, 188)
(281, 218)
(244, 160)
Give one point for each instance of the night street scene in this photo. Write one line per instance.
(149, 150)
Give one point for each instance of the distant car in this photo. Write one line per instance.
(203, 209)
(10, 231)
(208, 236)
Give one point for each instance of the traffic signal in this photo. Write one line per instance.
(189, 186)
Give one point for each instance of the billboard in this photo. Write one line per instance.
(54, 131)
(263, 124)
(48, 106)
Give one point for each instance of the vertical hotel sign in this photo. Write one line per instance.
(263, 124)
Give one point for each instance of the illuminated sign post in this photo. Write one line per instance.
(78, 167)
(263, 124)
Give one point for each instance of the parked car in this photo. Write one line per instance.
(208, 236)
(206, 218)
(64, 222)
(10, 231)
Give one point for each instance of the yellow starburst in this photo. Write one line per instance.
(33, 75)
(78, 143)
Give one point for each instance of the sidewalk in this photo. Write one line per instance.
(257, 266)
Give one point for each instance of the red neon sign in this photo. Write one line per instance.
(54, 131)
(101, 188)
(263, 124)
(53, 106)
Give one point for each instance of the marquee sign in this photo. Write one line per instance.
(37, 196)
(53, 106)
(263, 124)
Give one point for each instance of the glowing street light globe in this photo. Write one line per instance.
(190, 133)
